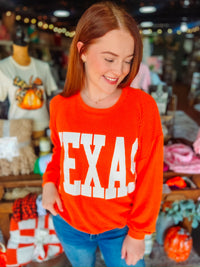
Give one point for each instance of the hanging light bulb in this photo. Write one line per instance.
(147, 9)
(61, 13)
(184, 27)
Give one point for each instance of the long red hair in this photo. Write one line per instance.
(95, 22)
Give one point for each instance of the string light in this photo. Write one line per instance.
(45, 26)
(169, 30)
(26, 20)
(33, 21)
(18, 17)
(40, 22)
(51, 26)
(8, 13)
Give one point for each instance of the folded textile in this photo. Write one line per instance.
(181, 158)
(32, 240)
(25, 208)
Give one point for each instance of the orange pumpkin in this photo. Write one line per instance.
(178, 243)
(31, 101)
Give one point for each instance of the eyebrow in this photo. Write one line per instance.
(113, 54)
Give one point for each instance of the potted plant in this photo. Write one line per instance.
(184, 209)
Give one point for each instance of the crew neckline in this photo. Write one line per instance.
(21, 66)
(103, 110)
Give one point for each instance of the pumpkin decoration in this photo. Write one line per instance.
(178, 243)
(29, 96)
(30, 99)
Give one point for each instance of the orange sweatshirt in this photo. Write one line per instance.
(107, 163)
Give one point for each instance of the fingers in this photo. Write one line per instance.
(123, 252)
(59, 204)
(132, 259)
(53, 211)
(50, 199)
(50, 207)
(132, 250)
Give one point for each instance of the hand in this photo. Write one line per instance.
(50, 197)
(132, 250)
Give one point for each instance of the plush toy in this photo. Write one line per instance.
(178, 243)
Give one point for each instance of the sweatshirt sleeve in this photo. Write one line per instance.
(149, 168)
(52, 173)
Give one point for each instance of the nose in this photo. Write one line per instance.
(118, 69)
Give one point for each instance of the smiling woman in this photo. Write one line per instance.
(107, 62)
(107, 160)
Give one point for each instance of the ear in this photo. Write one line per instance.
(79, 46)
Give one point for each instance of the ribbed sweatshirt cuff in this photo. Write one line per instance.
(135, 234)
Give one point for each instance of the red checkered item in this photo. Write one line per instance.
(32, 240)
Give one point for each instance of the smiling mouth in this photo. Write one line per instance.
(112, 80)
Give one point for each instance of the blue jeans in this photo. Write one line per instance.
(80, 248)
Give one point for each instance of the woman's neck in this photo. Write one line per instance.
(20, 55)
(102, 102)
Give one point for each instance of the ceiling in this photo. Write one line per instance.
(170, 13)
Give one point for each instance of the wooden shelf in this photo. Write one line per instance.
(36, 180)
(187, 193)
(12, 181)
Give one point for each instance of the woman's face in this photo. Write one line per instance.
(108, 61)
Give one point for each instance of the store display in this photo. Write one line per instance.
(24, 163)
(181, 158)
(143, 78)
(162, 95)
(25, 208)
(45, 145)
(20, 192)
(25, 92)
(184, 126)
(30, 84)
(41, 163)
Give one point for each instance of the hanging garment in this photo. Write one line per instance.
(27, 88)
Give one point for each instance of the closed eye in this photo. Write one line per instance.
(128, 62)
(109, 60)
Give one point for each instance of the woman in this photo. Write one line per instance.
(104, 182)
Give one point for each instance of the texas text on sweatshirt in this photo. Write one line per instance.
(107, 163)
